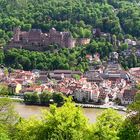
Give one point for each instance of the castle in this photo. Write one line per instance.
(36, 40)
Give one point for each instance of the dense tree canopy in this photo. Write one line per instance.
(120, 18)
(107, 126)
(67, 123)
(77, 16)
(131, 126)
(62, 59)
(8, 118)
(44, 98)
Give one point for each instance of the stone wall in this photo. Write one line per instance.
(35, 40)
(82, 41)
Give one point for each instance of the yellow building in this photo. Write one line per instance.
(15, 87)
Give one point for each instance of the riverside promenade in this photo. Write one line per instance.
(105, 106)
(13, 98)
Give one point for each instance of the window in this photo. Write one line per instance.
(21, 38)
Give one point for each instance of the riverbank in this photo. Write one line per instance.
(105, 106)
(13, 98)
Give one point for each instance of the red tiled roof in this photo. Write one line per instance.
(64, 90)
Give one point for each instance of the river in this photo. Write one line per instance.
(27, 111)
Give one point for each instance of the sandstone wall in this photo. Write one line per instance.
(82, 41)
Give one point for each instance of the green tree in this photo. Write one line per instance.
(31, 98)
(45, 98)
(76, 76)
(1, 56)
(58, 98)
(3, 133)
(8, 119)
(7, 113)
(4, 90)
(124, 47)
(129, 131)
(131, 126)
(28, 129)
(65, 123)
(107, 126)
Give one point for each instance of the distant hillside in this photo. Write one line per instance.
(79, 16)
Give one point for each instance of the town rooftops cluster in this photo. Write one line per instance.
(98, 85)
(82, 90)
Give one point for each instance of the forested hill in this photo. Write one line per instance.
(79, 16)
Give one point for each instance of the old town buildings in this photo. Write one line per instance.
(82, 90)
(99, 85)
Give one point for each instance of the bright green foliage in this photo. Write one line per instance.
(8, 119)
(107, 126)
(29, 129)
(7, 113)
(3, 133)
(4, 90)
(65, 123)
(135, 106)
(129, 131)
(131, 126)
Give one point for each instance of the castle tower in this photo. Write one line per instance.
(16, 34)
(71, 42)
(114, 56)
(68, 41)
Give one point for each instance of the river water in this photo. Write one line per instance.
(27, 111)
